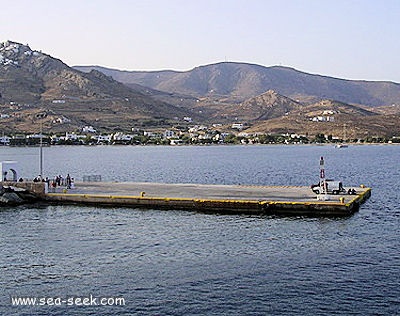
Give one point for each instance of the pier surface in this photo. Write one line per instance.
(285, 200)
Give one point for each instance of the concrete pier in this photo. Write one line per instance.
(278, 200)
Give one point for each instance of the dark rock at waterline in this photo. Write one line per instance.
(15, 196)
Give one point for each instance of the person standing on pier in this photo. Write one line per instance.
(68, 181)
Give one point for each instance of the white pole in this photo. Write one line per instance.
(41, 149)
(322, 182)
(40, 117)
(323, 186)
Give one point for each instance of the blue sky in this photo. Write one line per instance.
(351, 39)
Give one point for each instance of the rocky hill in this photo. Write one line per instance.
(33, 82)
(334, 118)
(240, 81)
(266, 106)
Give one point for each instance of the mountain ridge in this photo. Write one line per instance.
(32, 82)
(240, 81)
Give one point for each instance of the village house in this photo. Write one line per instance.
(151, 134)
(5, 140)
(119, 136)
(61, 120)
(88, 129)
(72, 137)
(169, 134)
(102, 138)
(238, 126)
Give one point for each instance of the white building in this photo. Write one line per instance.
(169, 134)
(61, 120)
(119, 136)
(71, 137)
(238, 126)
(151, 134)
(103, 138)
(5, 140)
(35, 136)
(88, 129)
(175, 142)
(323, 119)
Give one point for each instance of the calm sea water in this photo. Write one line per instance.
(189, 263)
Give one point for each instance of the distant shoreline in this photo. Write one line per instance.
(198, 145)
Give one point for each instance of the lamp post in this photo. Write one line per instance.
(41, 116)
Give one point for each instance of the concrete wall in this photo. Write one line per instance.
(38, 188)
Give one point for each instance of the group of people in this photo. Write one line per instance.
(60, 181)
(57, 181)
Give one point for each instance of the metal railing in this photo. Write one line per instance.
(92, 178)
